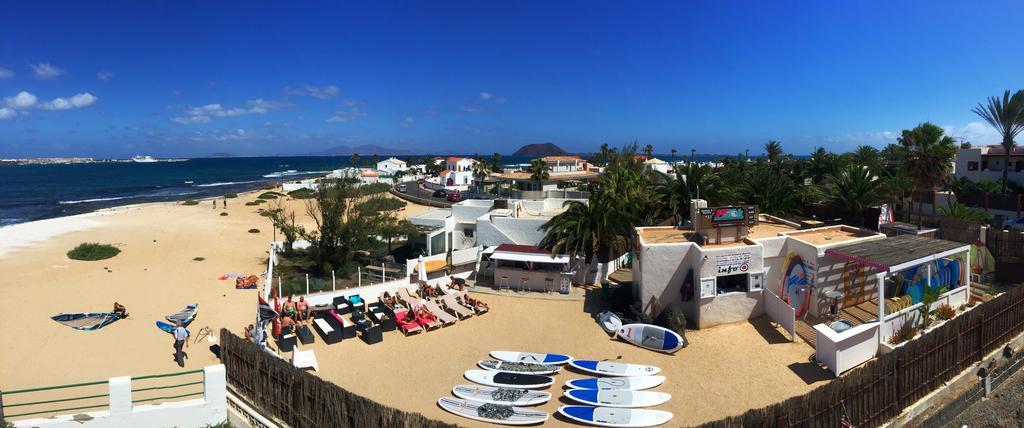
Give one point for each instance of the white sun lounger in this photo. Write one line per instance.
(442, 315)
(303, 359)
(462, 311)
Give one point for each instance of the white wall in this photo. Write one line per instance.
(209, 410)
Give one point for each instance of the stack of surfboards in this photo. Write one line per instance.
(504, 386)
(617, 399)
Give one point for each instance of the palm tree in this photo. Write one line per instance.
(927, 157)
(496, 162)
(648, 151)
(963, 212)
(853, 190)
(673, 155)
(868, 156)
(355, 160)
(1006, 115)
(773, 193)
(773, 150)
(539, 171)
(397, 175)
(596, 229)
(481, 169)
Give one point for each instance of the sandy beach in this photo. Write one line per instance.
(155, 275)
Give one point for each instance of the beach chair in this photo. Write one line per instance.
(304, 359)
(428, 321)
(406, 327)
(478, 309)
(442, 315)
(408, 299)
(348, 328)
(380, 316)
(452, 302)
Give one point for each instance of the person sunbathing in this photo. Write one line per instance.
(474, 303)
(408, 317)
(388, 300)
(422, 312)
(120, 310)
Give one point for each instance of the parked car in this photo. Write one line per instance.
(402, 188)
(420, 181)
(440, 193)
(455, 197)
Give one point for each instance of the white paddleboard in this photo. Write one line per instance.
(509, 380)
(531, 368)
(608, 368)
(492, 413)
(618, 398)
(505, 396)
(632, 383)
(615, 417)
(651, 337)
(530, 357)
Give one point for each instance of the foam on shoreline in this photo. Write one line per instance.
(26, 234)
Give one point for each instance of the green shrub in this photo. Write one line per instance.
(254, 230)
(377, 205)
(373, 189)
(230, 195)
(91, 251)
(190, 202)
(673, 319)
(223, 214)
(251, 204)
(199, 259)
(269, 195)
(302, 194)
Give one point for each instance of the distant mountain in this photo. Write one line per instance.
(221, 155)
(366, 149)
(538, 150)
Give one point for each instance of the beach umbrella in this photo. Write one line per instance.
(421, 270)
(448, 262)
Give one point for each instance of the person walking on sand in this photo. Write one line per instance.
(225, 203)
(180, 340)
(214, 204)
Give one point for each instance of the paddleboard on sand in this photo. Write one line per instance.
(530, 357)
(615, 417)
(651, 337)
(632, 383)
(531, 368)
(504, 396)
(169, 328)
(506, 379)
(614, 369)
(492, 413)
(618, 398)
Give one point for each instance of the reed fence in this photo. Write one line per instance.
(953, 229)
(299, 399)
(1007, 246)
(879, 390)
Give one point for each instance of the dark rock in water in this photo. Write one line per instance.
(539, 150)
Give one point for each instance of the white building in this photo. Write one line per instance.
(562, 170)
(655, 164)
(391, 165)
(458, 171)
(986, 162)
(363, 175)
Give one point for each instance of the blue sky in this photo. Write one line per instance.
(252, 78)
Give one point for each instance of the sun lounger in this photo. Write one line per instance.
(303, 359)
(476, 308)
(408, 299)
(442, 315)
(407, 327)
(428, 321)
(328, 331)
(453, 304)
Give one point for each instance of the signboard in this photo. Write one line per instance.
(730, 263)
(730, 216)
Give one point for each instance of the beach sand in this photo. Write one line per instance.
(155, 275)
(724, 371)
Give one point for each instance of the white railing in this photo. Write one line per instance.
(893, 322)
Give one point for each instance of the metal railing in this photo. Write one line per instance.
(39, 407)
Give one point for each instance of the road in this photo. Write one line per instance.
(420, 194)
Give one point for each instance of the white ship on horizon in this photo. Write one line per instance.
(144, 159)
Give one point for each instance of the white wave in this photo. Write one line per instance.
(227, 183)
(292, 172)
(94, 200)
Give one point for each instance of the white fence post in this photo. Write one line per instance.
(215, 385)
(120, 395)
(360, 280)
(307, 283)
(334, 284)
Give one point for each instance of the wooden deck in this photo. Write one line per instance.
(856, 315)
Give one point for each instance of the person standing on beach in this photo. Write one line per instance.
(225, 203)
(180, 340)
(214, 204)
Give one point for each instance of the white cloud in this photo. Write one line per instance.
(468, 108)
(6, 73)
(485, 96)
(45, 71)
(21, 101)
(408, 121)
(977, 133)
(323, 92)
(205, 113)
(346, 115)
(76, 101)
(491, 97)
(104, 75)
(7, 113)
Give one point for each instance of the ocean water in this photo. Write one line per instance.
(35, 192)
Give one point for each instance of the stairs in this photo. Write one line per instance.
(981, 293)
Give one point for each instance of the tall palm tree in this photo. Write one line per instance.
(673, 155)
(539, 171)
(927, 157)
(868, 156)
(596, 229)
(773, 193)
(773, 150)
(853, 190)
(496, 163)
(1006, 115)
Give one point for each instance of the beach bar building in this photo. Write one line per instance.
(528, 268)
(735, 264)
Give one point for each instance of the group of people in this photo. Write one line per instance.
(293, 313)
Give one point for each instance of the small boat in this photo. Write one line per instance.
(144, 159)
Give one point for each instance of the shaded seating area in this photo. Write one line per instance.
(327, 327)
(527, 268)
(348, 328)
